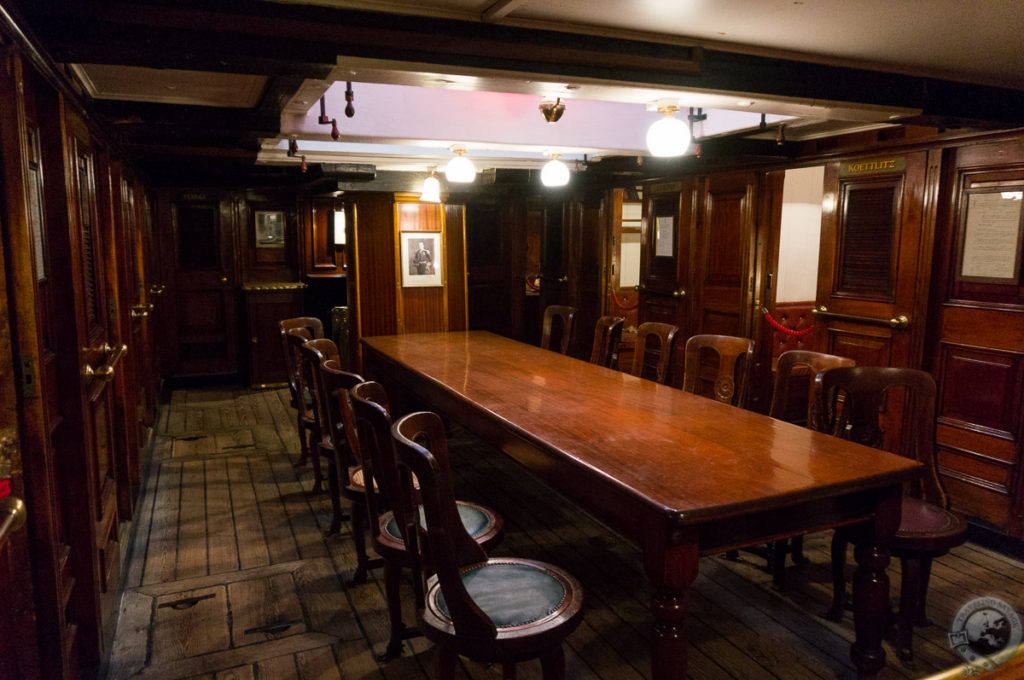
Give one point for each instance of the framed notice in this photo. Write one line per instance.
(269, 229)
(664, 231)
(421, 258)
(992, 238)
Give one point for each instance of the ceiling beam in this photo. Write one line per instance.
(500, 9)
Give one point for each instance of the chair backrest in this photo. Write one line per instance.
(333, 387)
(793, 395)
(314, 329)
(566, 320)
(607, 334)
(372, 415)
(654, 339)
(728, 381)
(422, 449)
(311, 354)
(855, 402)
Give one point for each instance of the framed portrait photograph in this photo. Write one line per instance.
(421, 258)
(269, 229)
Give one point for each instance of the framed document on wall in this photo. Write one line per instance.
(993, 236)
(269, 229)
(421, 258)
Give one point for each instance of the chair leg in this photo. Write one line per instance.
(318, 475)
(552, 664)
(926, 573)
(334, 491)
(303, 442)
(777, 564)
(913, 581)
(359, 538)
(392, 578)
(444, 663)
(796, 549)
(835, 612)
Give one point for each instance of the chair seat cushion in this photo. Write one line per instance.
(929, 527)
(307, 398)
(512, 593)
(357, 480)
(475, 519)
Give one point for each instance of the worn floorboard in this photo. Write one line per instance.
(232, 574)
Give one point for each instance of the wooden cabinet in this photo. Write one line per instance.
(265, 306)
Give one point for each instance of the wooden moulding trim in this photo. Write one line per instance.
(274, 286)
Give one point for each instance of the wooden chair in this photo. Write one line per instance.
(607, 334)
(793, 394)
(850, 402)
(309, 425)
(728, 381)
(492, 610)
(655, 342)
(347, 478)
(566, 320)
(299, 400)
(372, 436)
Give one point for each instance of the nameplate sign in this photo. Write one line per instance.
(874, 166)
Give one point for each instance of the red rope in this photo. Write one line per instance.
(529, 283)
(621, 306)
(782, 329)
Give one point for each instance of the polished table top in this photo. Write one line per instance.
(688, 457)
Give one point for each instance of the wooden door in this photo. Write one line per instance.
(201, 322)
(976, 332)
(874, 261)
(19, 654)
(665, 293)
(723, 273)
(94, 527)
(488, 267)
(554, 254)
(588, 243)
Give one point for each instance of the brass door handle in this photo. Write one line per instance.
(678, 294)
(141, 311)
(157, 290)
(106, 372)
(223, 279)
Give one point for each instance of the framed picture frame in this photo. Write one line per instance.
(269, 229)
(993, 233)
(422, 258)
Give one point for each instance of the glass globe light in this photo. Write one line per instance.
(668, 136)
(431, 192)
(555, 173)
(460, 169)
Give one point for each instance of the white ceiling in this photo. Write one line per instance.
(408, 115)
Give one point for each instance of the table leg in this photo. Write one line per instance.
(671, 569)
(871, 585)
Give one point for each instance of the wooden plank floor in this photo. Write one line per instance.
(232, 575)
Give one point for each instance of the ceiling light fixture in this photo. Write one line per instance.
(555, 173)
(460, 169)
(431, 191)
(668, 136)
(552, 110)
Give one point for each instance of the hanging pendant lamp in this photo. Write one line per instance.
(431, 191)
(555, 173)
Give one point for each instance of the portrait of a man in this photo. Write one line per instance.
(421, 258)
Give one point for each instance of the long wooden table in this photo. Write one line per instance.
(679, 475)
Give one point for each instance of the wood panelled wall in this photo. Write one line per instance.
(78, 326)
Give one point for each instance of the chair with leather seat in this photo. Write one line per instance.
(793, 401)
(501, 610)
(728, 378)
(347, 475)
(560, 318)
(372, 437)
(313, 328)
(652, 357)
(309, 427)
(855, 403)
(607, 334)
